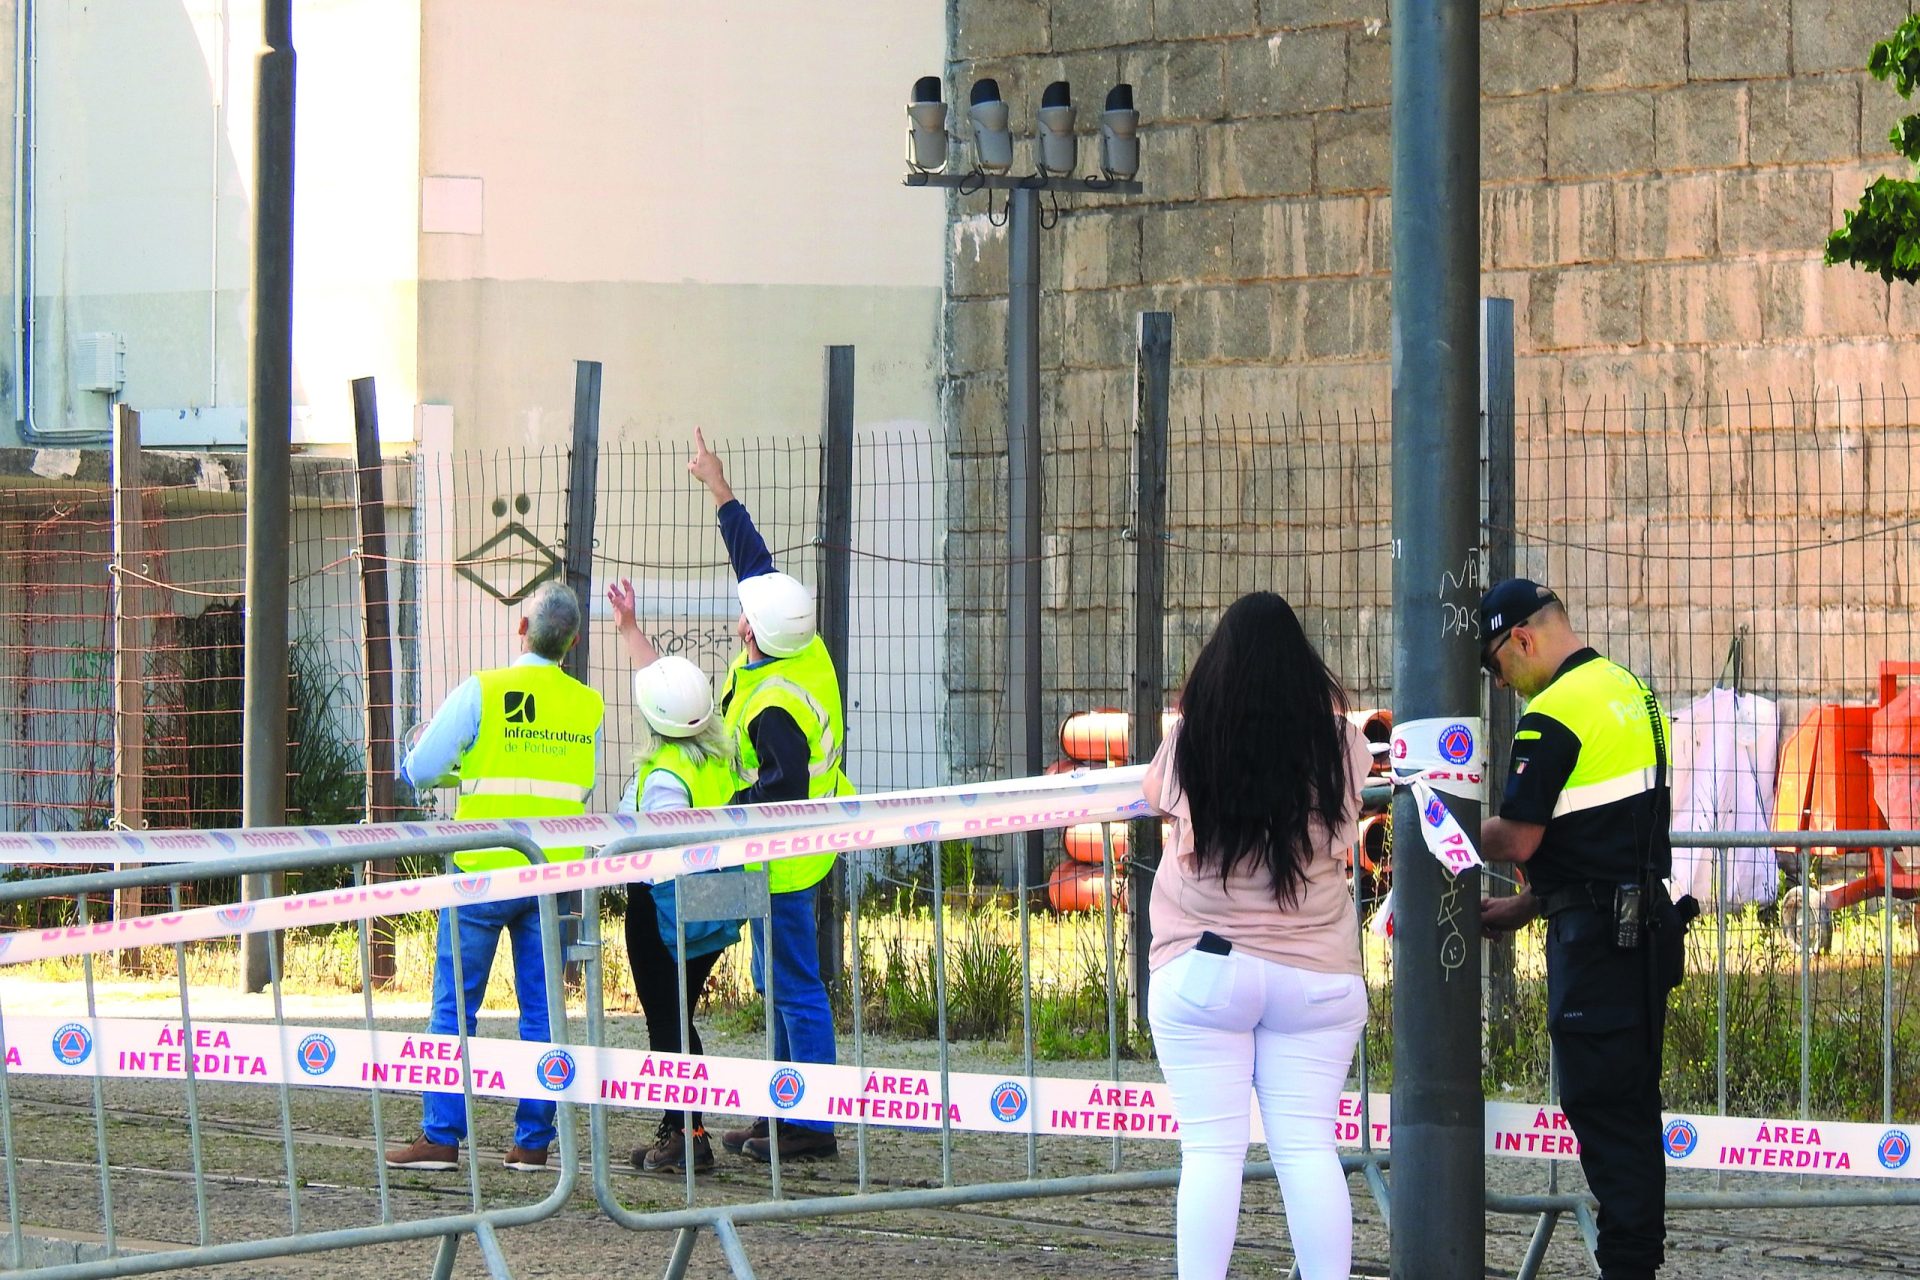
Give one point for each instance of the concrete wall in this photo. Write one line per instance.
(1660, 177)
(1659, 180)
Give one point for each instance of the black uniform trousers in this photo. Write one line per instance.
(655, 982)
(1607, 1032)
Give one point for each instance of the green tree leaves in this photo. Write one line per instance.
(1882, 233)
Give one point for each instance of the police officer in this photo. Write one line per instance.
(781, 702)
(1586, 811)
(521, 742)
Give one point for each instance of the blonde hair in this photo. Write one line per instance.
(712, 742)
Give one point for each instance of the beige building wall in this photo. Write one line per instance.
(699, 196)
(140, 125)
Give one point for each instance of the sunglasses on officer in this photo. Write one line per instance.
(1490, 656)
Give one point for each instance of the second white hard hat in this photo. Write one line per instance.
(675, 697)
(779, 608)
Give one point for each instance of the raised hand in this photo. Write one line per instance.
(620, 597)
(706, 467)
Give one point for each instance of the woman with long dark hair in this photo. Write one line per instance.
(1256, 991)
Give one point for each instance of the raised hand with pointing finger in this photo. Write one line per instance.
(706, 467)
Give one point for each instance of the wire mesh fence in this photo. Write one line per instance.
(1754, 560)
(177, 620)
(1766, 548)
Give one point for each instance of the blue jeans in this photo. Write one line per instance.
(444, 1115)
(802, 1019)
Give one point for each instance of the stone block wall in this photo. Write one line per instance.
(1659, 180)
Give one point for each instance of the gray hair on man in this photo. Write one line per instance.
(553, 620)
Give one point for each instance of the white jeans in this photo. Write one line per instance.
(1225, 1026)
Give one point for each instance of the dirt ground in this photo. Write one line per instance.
(245, 1166)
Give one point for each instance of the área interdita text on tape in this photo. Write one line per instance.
(984, 1102)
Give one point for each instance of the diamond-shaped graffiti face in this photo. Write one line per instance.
(511, 564)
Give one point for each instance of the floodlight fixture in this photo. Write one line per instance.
(1119, 125)
(1056, 149)
(927, 126)
(992, 144)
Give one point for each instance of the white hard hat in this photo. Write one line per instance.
(780, 611)
(675, 696)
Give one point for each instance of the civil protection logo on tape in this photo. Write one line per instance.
(786, 1088)
(71, 1044)
(1456, 744)
(1895, 1149)
(1435, 812)
(1008, 1102)
(235, 917)
(556, 1070)
(703, 856)
(1679, 1138)
(471, 887)
(316, 1055)
(922, 830)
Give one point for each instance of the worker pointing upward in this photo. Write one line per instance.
(781, 701)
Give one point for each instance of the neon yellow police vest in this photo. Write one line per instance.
(534, 756)
(806, 687)
(1605, 706)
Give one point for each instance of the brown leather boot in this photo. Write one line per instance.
(735, 1139)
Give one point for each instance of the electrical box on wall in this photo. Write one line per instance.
(100, 362)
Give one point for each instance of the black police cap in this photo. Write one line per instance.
(1510, 603)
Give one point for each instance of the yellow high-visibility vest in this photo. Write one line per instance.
(534, 756)
(807, 688)
(710, 784)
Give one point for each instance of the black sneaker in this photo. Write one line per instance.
(668, 1154)
(734, 1139)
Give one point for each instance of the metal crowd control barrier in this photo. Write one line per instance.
(1553, 1203)
(189, 1037)
(867, 1193)
(747, 898)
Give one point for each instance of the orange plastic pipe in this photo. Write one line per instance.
(1100, 736)
(1075, 886)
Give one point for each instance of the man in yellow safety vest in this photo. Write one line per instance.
(782, 705)
(521, 742)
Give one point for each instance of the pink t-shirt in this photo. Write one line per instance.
(1319, 932)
